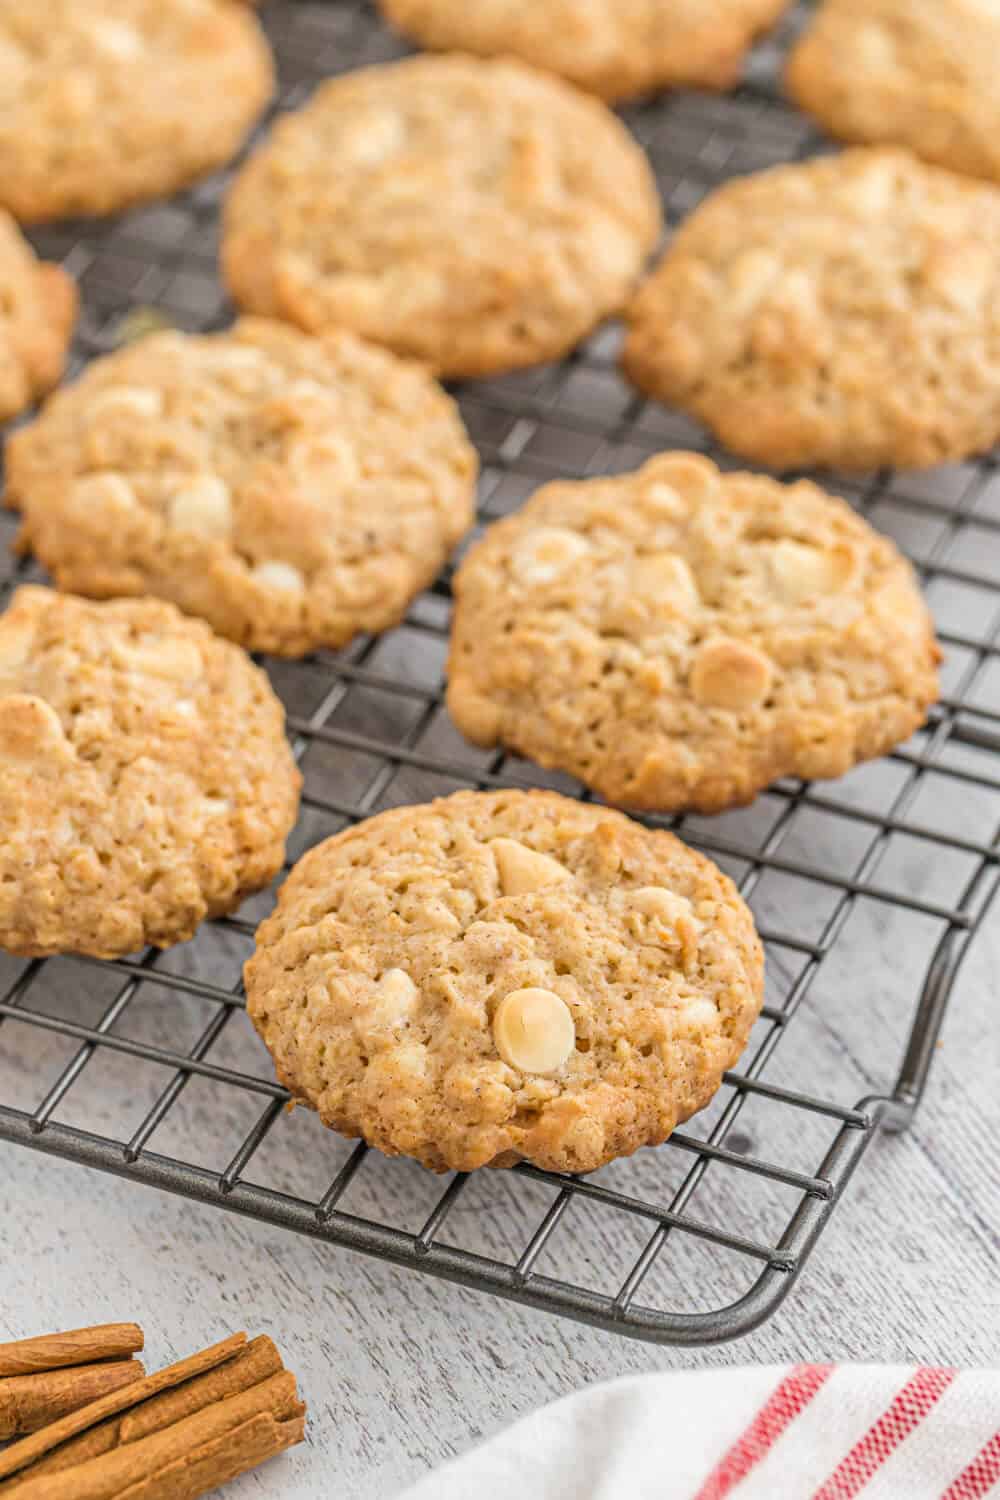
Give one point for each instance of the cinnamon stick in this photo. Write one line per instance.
(106, 1477)
(28, 1402)
(79, 1346)
(220, 1460)
(18, 1455)
(257, 1362)
(254, 1363)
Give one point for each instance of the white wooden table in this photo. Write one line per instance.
(401, 1372)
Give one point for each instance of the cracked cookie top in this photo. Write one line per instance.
(679, 637)
(843, 311)
(119, 100)
(477, 215)
(910, 73)
(292, 491)
(507, 975)
(145, 779)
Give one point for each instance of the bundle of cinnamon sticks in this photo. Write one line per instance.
(174, 1435)
(44, 1378)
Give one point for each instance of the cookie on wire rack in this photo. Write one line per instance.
(112, 101)
(292, 491)
(910, 73)
(614, 48)
(505, 976)
(38, 304)
(679, 637)
(477, 215)
(844, 312)
(145, 779)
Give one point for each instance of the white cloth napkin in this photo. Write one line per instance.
(779, 1432)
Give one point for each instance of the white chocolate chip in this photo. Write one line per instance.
(409, 1063)
(215, 807)
(664, 579)
(15, 645)
(961, 274)
(751, 278)
(116, 38)
(534, 1031)
(241, 368)
(802, 572)
(14, 63)
(372, 137)
(236, 357)
(179, 661)
(664, 501)
(610, 246)
(436, 916)
(730, 674)
(665, 920)
(695, 1017)
(140, 401)
(656, 901)
(686, 476)
(797, 291)
(870, 192)
(331, 459)
(30, 729)
(104, 491)
(396, 995)
(416, 291)
(172, 660)
(523, 870)
(280, 576)
(874, 46)
(546, 552)
(380, 1016)
(203, 506)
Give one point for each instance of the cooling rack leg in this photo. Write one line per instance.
(929, 1018)
(897, 1114)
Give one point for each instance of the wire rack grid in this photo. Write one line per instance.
(148, 1067)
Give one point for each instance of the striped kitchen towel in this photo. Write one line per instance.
(788, 1432)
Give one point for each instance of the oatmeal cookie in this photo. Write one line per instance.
(910, 73)
(844, 312)
(145, 779)
(614, 48)
(292, 491)
(37, 312)
(502, 976)
(678, 638)
(113, 101)
(477, 215)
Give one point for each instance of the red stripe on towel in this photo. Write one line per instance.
(780, 1409)
(902, 1417)
(980, 1476)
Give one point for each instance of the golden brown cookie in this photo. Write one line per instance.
(110, 101)
(476, 215)
(615, 48)
(843, 312)
(679, 638)
(292, 491)
(914, 73)
(37, 313)
(145, 779)
(502, 976)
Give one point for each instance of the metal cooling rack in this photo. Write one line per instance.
(149, 1068)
